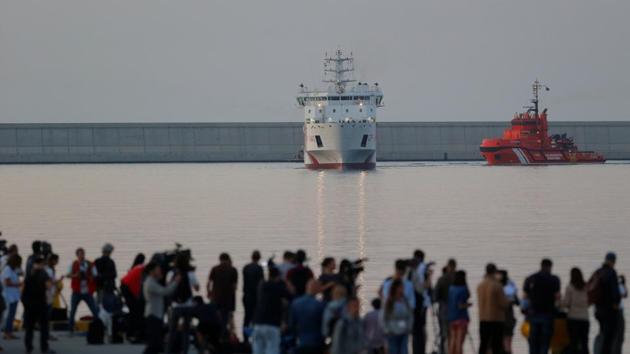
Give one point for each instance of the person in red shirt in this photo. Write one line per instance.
(131, 289)
(81, 274)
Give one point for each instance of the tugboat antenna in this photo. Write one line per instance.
(536, 87)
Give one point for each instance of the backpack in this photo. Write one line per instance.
(594, 291)
(96, 332)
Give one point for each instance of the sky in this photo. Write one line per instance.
(242, 61)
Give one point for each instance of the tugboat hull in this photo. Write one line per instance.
(522, 156)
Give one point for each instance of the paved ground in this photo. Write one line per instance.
(74, 345)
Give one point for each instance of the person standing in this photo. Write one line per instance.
(492, 304)
(457, 313)
(154, 294)
(607, 299)
(397, 319)
(575, 301)
(182, 308)
(305, 320)
(105, 273)
(348, 336)
(542, 291)
(131, 290)
(301, 274)
(11, 285)
(619, 338)
(288, 262)
(253, 275)
(420, 276)
(373, 331)
(328, 279)
(511, 293)
(400, 270)
(82, 273)
(441, 297)
(269, 314)
(221, 288)
(34, 300)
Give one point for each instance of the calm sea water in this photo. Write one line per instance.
(513, 216)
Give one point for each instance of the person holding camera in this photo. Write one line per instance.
(154, 294)
(82, 273)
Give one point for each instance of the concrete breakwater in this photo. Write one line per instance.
(267, 142)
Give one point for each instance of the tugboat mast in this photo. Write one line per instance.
(536, 87)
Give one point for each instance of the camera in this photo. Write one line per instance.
(173, 259)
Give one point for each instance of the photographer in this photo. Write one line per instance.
(154, 294)
(81, 273)
(182, 307)
(348, 273)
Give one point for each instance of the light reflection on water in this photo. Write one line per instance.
(510, 215)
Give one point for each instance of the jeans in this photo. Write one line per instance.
(608, 328)
(578, 335)
(31, 317)
(11, 310)
(74, 303)
(491, 337)
(265, 339)
(397, 344)
(541, 331)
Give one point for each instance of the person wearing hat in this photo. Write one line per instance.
(607, 302)
(105, 273)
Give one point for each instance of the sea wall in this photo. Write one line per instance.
(261, 142)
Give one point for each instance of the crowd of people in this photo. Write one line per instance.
(289, 309)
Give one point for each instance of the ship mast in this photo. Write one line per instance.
(536, 87)
(342, 68)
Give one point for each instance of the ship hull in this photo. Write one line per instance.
(518, 155)
(340, 146)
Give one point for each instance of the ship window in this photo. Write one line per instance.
(364, 140)
(333, 98)
(360, 109)
(320, 111)
(346, 98)
(346, 110)
(309, 111)
(334, 110)
(318, 139)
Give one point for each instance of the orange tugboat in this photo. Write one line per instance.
(527, 142)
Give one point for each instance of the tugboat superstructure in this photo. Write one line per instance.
(340, 122)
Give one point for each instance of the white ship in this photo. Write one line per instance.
(340, 122)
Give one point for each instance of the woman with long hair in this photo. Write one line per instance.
(397, 319)
(458, 318)
(575, 302)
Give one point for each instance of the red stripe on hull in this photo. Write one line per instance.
(342, 166)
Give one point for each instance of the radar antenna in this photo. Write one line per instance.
(342, 68)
